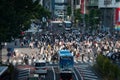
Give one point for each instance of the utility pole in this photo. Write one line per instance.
(72, 11)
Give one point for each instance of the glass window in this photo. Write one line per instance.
(117, 0)
(40, 64)
(107, 2)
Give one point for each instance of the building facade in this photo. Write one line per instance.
(60, 9)
(110, 13)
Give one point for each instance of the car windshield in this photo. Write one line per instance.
(66, 76)
(40, 64)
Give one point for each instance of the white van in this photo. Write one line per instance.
(41, 67)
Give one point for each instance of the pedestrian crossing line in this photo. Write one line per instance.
(86, 71)
(76, 61)
(82, 66)
(89, 73)
(90, 76)
(87, 78)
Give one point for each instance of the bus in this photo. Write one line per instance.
(66, 62)
(57, 23)
(67, 25)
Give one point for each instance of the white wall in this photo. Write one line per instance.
(77, 6)
(61, 7)
(112, 5)
(60, 1)
(41, 2)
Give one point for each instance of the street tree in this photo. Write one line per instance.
(94, 18)
(15, 17)
(68, 10)
(78, 15)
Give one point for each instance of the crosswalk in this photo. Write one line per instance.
(23, 74)
(87, 73)
(85, 60)
(20, 62)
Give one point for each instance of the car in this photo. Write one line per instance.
(66, 75)
(41, 67)
(113, 55)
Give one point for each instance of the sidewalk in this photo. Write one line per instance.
(19, 51)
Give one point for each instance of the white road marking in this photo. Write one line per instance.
(54, 73)
(75, 75)
(79, 74)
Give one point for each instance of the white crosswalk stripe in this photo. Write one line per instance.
(87, 73)
(23, 74)
(85, 60)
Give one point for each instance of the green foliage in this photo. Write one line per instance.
(107, 69)
(42, 13)
(78, 15)
(93, 18)
(10, 68)
(16, 15)
(69, 10)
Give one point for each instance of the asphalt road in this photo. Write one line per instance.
(81, 71)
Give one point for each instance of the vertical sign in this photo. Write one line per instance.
(117, 16)
(117, 19)
(82, 6)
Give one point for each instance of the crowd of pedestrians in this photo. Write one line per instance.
(80, 44)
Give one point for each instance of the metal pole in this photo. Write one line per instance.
(105, 18)
(0, 53)
(84, 23)
(72, 10)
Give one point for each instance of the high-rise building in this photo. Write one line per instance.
(60, 8)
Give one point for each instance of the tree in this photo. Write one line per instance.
(107, 69)
(93, 16)
(78, 15)
(68, 10)
(15, 17)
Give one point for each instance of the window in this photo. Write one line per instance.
(117, 0)
(40, 64)
(107, 2)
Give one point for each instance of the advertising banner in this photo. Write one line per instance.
(117, 19)
(82, 6)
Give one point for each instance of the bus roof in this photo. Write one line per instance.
(67, 21)
(56, 21)
(66, 71)
(65, 53)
